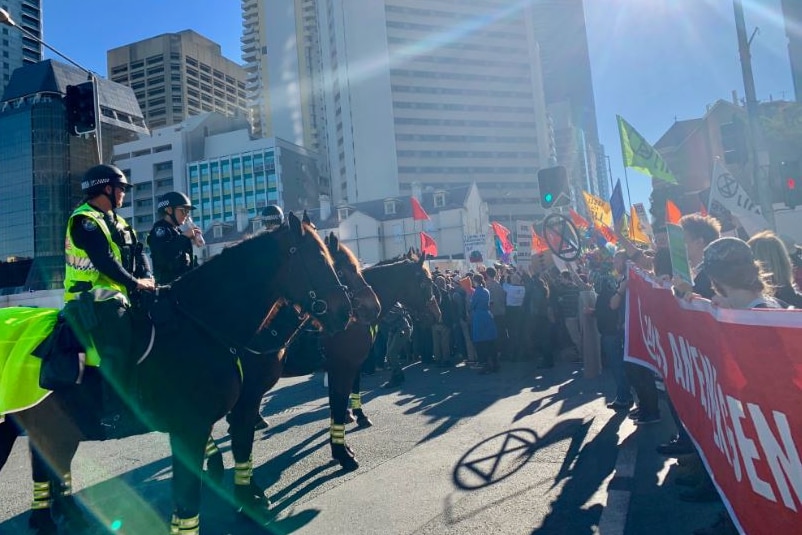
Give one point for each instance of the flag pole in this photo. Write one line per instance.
(626, 181)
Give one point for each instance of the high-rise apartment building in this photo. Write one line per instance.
(279, 51)
(16, 48)
(176, 75)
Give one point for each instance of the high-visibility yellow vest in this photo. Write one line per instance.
(79, 268)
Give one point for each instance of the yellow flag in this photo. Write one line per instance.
(636, 232)
(599, 209)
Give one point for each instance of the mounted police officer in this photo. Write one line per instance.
(273, 216)
(171, 238)
(105, 266)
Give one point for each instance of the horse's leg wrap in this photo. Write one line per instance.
(356, 400)
(214, 461)
(185, 526)
(356, 408)
(41, 495)
(339, 450)
(243, 472)
(211, 448)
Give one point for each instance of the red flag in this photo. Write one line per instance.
(673, 214)
(503, 234)
(579, 221)
(703, 211)
(418, 213)
(607, 232)
(538, 244)
(427, 244)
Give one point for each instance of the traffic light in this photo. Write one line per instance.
(733, 140)
(80, 105)
(553, 185)
(791, 183)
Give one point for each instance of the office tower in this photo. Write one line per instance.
(176, 75)
(444, 94)
(42, 164)
(16, 48)
(792, 13)
(560, 30)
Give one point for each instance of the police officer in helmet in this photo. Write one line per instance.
(105, 267)
(273, 216)
(169, 241)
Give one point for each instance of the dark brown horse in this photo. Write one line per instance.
(405, 280)
(190, 379)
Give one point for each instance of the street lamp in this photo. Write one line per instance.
(5, 18)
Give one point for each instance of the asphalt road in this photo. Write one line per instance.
(452, 452)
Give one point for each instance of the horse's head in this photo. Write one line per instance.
(418, 294)
(366, 304)
(309, 279)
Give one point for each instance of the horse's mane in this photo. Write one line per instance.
(246, 244)
(350, 255)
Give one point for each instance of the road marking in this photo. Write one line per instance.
(613, 519)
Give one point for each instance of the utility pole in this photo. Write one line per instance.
(758, 155)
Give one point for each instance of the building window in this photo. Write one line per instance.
(389, 207)
(342, 213)
(439, 199)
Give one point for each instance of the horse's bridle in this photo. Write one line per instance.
(317, 307)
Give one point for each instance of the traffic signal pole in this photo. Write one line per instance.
(757, 150)
(6, 19)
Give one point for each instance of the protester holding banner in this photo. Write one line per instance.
(770, 251)
(699, 231)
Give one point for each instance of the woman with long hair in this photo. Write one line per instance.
(773, 257)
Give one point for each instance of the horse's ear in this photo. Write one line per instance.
(306, 219)
(295, 223)
(332, 240)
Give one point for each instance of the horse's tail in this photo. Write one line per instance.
(9, 431)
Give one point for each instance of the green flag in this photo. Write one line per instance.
(638, 154)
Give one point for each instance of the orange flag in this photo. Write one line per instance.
(579, 221)
(427, 244)
(673, 214)
(418, 213)
(636, 232)
(538, 244)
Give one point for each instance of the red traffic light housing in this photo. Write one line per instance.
(790, 178)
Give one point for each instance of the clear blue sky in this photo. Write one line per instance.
(653, 61)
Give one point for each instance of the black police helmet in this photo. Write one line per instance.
(100, 176)
(174, 199)
(273, 214)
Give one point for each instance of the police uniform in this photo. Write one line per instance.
(171, 252)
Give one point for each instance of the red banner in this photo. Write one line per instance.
(735, 378)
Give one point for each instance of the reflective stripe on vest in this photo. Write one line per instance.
(78, 266)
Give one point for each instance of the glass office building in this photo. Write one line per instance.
(42, 164)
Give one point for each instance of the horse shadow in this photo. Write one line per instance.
(574, 390)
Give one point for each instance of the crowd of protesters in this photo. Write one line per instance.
(509, 313)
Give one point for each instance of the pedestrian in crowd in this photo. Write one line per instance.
(610, 318)
(466, 290)
(104, 260)
(640, 378)
(540, 326)
(514, 312)
(171, 238)
(739, 283)
(698, 231)
(773, 257)
(459, 307)
(398, 330)
(441, 331)
(498, 307)
(565, 300)
(483, 328)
